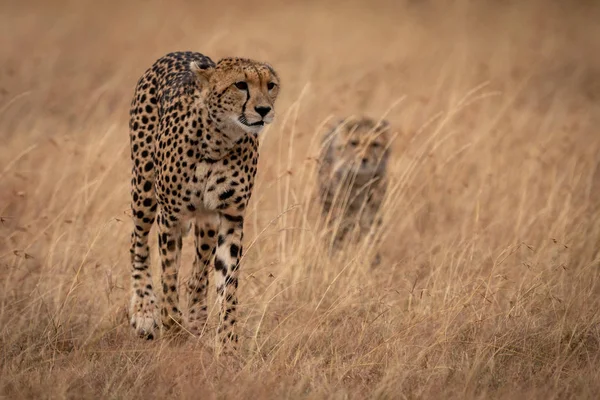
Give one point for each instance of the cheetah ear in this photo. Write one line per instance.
(272, 71)
(383, 125)
(202, 73)
(333, 129)
(336, 123)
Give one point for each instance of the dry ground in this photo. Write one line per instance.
(490, 285)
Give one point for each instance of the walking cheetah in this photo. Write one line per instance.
(194, 146)
(352, 177)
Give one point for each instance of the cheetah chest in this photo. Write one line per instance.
(225, 185)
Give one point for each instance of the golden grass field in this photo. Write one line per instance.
(489, 286)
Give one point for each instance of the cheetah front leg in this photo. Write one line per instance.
(206, 239)
(370, 226)
(375, 239)
(143, 309)
(169, 245)
(227, 258)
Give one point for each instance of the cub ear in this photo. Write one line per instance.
(330, 134)
(338, 122)
(337, 125)
(383, 125)
(202, 72)
(347, 122)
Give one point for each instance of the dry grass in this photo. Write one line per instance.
(490, 284)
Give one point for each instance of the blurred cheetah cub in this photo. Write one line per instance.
(352, 178)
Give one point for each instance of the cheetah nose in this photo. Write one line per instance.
(262, 111)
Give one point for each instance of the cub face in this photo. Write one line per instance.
(360, 146)
(239, 92)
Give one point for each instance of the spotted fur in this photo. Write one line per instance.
(194, 146)
(352, 178)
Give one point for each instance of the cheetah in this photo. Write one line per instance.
(352, 178)
(194, 128)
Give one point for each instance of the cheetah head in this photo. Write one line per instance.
(239, 93)
(360, 145)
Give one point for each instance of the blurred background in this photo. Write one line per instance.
(489, 286)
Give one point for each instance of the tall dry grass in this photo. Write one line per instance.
(489, 285)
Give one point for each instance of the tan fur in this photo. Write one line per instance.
(194, 147)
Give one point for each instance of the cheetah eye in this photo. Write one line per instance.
(241, 85)
(271, 85)
(354, 143)
(375, 145)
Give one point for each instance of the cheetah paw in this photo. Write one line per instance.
(144, 317)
